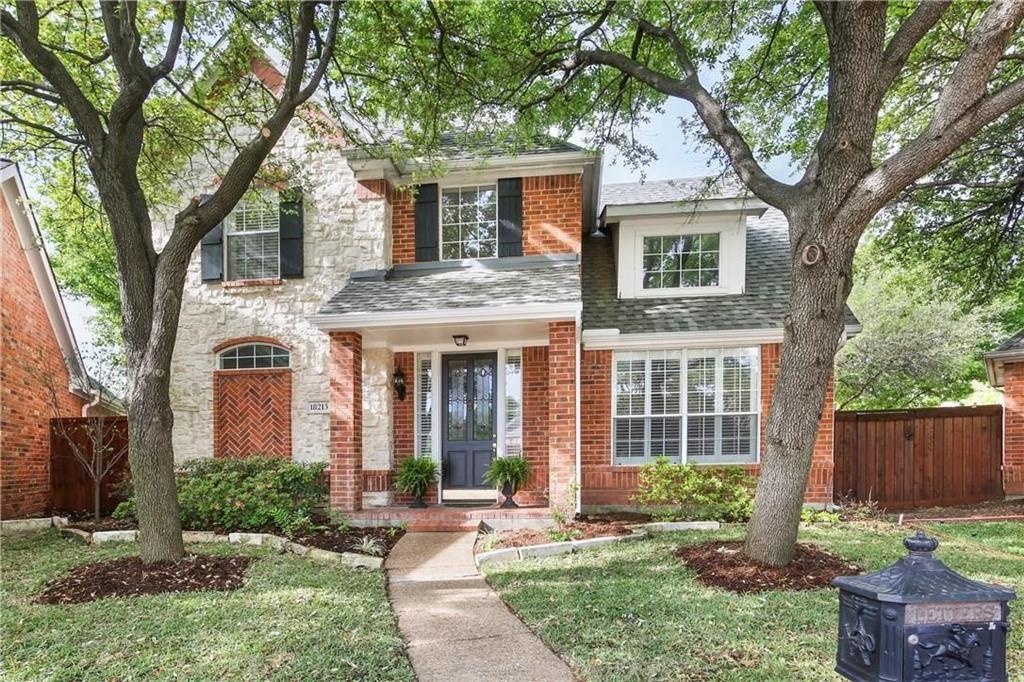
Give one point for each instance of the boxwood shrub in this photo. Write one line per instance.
(684, 492)
(248, 494)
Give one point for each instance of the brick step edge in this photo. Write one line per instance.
(639, 532)
(281, 545)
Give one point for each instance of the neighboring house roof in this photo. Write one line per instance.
(39, 262)
(1010, 350)
(464, 285)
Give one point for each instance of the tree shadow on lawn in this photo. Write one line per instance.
(293, 619)
(634, 611)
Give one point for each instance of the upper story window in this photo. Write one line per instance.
(681, 260)
(255, 356)
(469, 222)
(252, 242)
(675, 257)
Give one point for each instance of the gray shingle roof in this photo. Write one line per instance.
(679, 189)
(471, 145)
(762, 305)
(512, 282)
(1014, 343)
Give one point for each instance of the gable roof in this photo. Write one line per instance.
(1010, 350)
(677, 189)
(16, 197)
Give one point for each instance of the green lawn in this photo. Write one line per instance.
(295, 619)
(633, 612)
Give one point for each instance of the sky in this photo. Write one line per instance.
(677, 158)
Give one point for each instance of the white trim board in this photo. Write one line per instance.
(374, 320)
(598, 339)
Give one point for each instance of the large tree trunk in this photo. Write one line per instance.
(151, 455)
(813, 327)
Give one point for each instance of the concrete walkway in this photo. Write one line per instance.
(454, 626)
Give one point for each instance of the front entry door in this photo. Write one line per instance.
(469, 441)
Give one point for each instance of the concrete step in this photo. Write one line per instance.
(443, 526)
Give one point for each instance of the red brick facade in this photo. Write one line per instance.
(1013, 428)
(552, 210)
(535, 424)
(605, 484)
(252, 413)
(346, 421)
(30, 362)
(561, 414)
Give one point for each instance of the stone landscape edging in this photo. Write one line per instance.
(9, 526)
(639, 532)
(275, 542)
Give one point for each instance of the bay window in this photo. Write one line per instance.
(690, 405)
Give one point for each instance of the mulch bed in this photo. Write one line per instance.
(586, 529)
(723, 564)
(129, 577)
(997, 508)
(335, 539)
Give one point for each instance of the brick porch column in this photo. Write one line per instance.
(346, 421)
(1013, 428)
(562, 414)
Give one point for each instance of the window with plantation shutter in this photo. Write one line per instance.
(424, 402)
(697, 406)
(252, 234)
(513, 404)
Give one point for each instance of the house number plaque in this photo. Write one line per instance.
(318, 407)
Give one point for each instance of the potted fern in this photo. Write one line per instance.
(507, 474)
(415, 475)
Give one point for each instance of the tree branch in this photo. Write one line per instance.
(907, 36)
(173, 43)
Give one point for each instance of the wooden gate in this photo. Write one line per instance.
(920, 458)
(70, 485)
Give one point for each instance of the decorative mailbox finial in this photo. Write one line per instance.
(920, 543)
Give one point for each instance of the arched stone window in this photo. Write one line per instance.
(254, 356)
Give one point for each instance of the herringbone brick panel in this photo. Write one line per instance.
(252, 413)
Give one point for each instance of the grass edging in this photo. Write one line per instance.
(639, 532)
(276, 542)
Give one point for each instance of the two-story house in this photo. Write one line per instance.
(509, 307)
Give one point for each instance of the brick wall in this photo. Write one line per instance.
(561, 413)
(252, 413)
(1013, 428)
(346, 421)
(535, 425)
(30, 362)
(552, 217)
(604, 484)
(552, 214)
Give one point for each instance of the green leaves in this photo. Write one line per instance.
(684, 491)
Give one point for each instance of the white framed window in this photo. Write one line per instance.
(424, 405)
(469, 222)
(675, 257)
(252, 238)
(513, 403)
(254, 356)
(691, 405)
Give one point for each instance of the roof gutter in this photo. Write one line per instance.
(330, 322)
(995, 362)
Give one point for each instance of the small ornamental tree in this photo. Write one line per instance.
(863, 99)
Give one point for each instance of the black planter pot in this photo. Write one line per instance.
(509, 491)
(418, 503)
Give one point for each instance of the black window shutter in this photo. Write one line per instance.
(291, 233)
(427, 223)
(510, 217)
(211, 251)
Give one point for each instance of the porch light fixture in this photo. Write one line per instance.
(460, 340)
(399, 379)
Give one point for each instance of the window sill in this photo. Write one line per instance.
(243, 283)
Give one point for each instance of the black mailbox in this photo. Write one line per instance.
(917, 620)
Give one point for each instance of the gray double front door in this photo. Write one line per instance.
(469, 407)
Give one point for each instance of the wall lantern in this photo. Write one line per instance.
(460, 340)
(399, 379)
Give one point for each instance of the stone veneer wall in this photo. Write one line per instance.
(30, 362)
(346, 229)
(605, 484)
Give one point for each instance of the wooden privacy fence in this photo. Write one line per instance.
(71, 488)
(920, 458)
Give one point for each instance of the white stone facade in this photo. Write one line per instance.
(341, 234)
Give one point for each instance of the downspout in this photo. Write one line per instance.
(579, 468)
(97, 396)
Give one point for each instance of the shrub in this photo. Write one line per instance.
(821, 516)
(415, 475)
(685, 492)
(250, 494)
